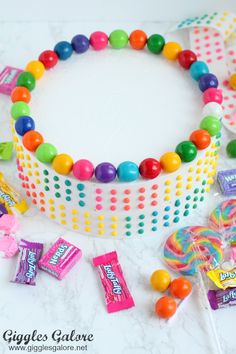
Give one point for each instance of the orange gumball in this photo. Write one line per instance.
(165, 307)
(138, 39)
(62, 164)
(201, 138)
(20, 93)
(32, 139)
(180, 287)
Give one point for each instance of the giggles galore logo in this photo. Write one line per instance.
(116, 288)
(57, 336)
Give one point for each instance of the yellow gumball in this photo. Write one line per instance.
(36, 68)
(171, 50)
(232, 81)
(62, 164)
(160, 280)
(170, 162)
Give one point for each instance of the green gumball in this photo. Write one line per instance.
(27, 80)
(19, 109)
(186, 150)
(46, 152)
(231, 149)
(211, 124)
(118, 39)
(155, 43)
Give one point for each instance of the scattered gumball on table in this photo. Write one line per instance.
(165, 307)
(160, 280)
(180, 287)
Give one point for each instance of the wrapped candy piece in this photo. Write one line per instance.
(9, 223)
(223, 278)
(222, 298)
(227, 182)
(60, 258)
(117, 295)
(8, 245)
(11, 198)
(8, 78)
(6, 150)
(3, 210)
(27, 263)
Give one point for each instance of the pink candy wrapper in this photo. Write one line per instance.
(27, 264)
(8, 78)
(8, 245)
(60, 258)
(117, 295)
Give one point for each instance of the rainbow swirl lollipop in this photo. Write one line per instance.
(191, 248)
(223, 217)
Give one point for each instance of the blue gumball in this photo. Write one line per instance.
(197, 69)
(207, 81)
(63, 49)
(24, 124)
(127, 171)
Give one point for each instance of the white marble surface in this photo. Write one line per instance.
(77, 302)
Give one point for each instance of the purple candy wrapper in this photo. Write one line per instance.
(222, 298)
(27, 262)
(227, 182)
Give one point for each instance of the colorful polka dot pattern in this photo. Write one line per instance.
(114, 210)
(212, 37)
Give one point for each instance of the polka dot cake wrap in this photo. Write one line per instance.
(223, 217)
(191, 248)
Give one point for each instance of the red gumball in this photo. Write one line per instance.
(186, 58)
(149, 168)
(201, 138)
(49, 59)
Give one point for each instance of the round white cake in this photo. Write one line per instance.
(117, 106)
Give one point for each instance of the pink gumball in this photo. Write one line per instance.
(83, 170)
(98, 40)
(212, 95)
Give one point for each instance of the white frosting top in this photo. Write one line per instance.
(130, 104)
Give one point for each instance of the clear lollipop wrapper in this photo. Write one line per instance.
(223, 219)
(193, 251)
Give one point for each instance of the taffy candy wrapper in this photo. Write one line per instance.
(222, 298)
(6, 150)
(117, 295)
(9, 224)
(8, 245)
(223, 279)
(10, 198)
(3, 210)
(60, 258)
(27, 262)
(227, 182)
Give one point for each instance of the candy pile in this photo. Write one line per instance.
(200, 250)
(179, 288)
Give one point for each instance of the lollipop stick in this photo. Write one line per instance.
(209, 312)
(203, 294)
